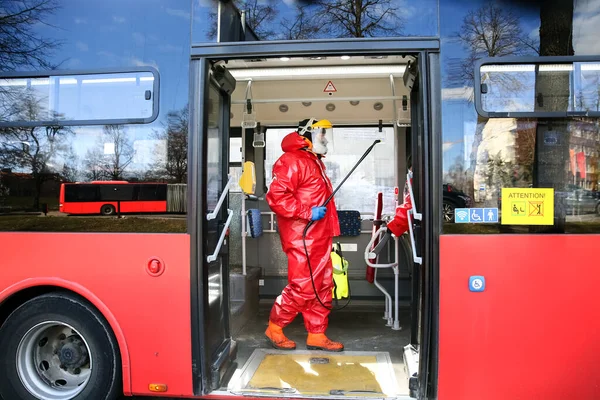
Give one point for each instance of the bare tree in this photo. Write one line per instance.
(34, 149)
(175, 135)
(93, 164)
(260, 17)
(490, 31)
(556, 39)
(360, 18)
(305, 24)
(70, 171)
(112, 155)
(20, 45)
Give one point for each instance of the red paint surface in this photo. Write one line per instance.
(533, 332)
(93, 207)
(150, 315)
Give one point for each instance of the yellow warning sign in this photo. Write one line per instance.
(527, 206)
(329, 88)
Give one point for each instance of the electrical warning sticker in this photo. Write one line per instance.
(527, 206)
(329, 88)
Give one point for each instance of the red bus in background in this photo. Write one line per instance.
(110, 197)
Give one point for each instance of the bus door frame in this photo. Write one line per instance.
(427, 180)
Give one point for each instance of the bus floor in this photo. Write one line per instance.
(360, 327)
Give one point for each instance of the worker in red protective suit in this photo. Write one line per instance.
(399, 224)
(299, 188)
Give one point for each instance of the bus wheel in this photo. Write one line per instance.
(107, 209)
(56, 347)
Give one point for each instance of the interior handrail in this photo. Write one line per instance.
(369, 254)
(418, 216)
(416, 258)
(214, 255)
(213, 215)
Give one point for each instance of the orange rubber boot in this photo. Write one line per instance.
(318, 341)
(275, 335)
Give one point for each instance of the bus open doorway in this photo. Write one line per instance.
(366, 97)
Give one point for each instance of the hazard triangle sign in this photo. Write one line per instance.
(329, 88)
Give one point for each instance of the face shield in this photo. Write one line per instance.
(322, 133)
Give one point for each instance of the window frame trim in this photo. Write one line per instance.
(516, 60)
(82, 122)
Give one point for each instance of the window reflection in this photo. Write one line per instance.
(288, 20)
(78, 98)
(103, 36)
(540, 88)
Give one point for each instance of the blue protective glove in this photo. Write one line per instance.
(318, 213)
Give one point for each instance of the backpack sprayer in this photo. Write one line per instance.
(311, 222)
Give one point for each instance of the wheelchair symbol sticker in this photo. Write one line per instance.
(477, 284)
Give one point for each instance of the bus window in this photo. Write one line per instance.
(542, 87)
(37, 100)
(347, 145)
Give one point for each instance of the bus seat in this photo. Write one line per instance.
(248, 178)
(254, 222)
(350, 222)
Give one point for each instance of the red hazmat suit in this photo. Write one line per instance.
(300, 183)
(399, 224)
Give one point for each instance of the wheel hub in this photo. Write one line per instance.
(73, 353)
(54, 361)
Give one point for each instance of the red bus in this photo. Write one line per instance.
(111, 197)
(492, 297)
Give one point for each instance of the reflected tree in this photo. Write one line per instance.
(70, 171)
(359, 18)
(112, 155)
(260, 17)
(21, 47)
(305, 24)
(34, 150)
(319, 19)
(175, 136)
(490, 31)
(556, 39)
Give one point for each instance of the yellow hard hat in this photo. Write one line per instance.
(324, 123)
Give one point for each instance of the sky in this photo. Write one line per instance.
(116, 33)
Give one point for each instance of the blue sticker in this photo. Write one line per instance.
(461, 215)
(490, 215)
(477, 283)
(476, 215)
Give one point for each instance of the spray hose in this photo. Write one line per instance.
(311, 222)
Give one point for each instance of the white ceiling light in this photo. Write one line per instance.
(345, 58)
(317, 72)
(285, 59)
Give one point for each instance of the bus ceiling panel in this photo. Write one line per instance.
(342, 112)
(318, 72)
(343, 60)
(342, 100)
(326, 89)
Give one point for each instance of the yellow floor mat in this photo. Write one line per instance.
(315, 373)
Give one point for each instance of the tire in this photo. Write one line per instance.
(51, 331)
(107, 209)
(448, 211)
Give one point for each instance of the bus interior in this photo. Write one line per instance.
(366, 97)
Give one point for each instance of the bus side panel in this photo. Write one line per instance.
(153, 312)
(533, 332)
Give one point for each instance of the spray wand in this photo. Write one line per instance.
(311, 222)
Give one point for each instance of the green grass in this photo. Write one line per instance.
(28, 223)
